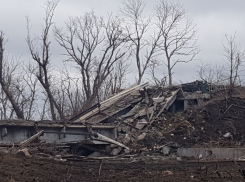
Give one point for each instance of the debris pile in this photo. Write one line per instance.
(134, 112)
(152, 125)
(142, 121)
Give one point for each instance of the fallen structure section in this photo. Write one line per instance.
(19, 131)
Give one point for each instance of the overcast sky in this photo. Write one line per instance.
(214, 19)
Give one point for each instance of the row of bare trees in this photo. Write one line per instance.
(97, 53)
(166, 37)
(18, 92)
(228, 71)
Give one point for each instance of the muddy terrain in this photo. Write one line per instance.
(152, 155)
(15, 169)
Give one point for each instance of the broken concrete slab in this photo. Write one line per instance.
(160, 134)
(119, 128)
(135, 93)
(116, 151)
(214, 153)
(141, 124)
(23, 153)
(169, 101)
(165, 150)
(125, 129)
(106, 104)
(104, 138)
(127, 139)
(129, 120)
(126, 151)
(141, 137)
(145, 111)
(158, 100)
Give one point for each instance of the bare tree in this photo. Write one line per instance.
(42, 56)
(29, 94)
(43, 113)
(212, 73)
(95, 44)
(178, 35)
(143, 40)
(18, 88)
(5, 84)
(115, 81)
(234, 58)
(156, 81)
(68, 92)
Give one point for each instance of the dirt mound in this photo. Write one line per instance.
(218, 124)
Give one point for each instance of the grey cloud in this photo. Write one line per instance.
(213, 18)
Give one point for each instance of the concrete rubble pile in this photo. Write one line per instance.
(139, 121)
(141, 115)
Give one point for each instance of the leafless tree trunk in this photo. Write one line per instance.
(234, 58)
(4, 105)
(67, 92)
(115, 81)
(137, 26)
(42, 56)
(3, 83)
(44, 111)
(21, 85)
(29, 82)
(95, 44)
(176, 40)
(72, 87)
(156, 80)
